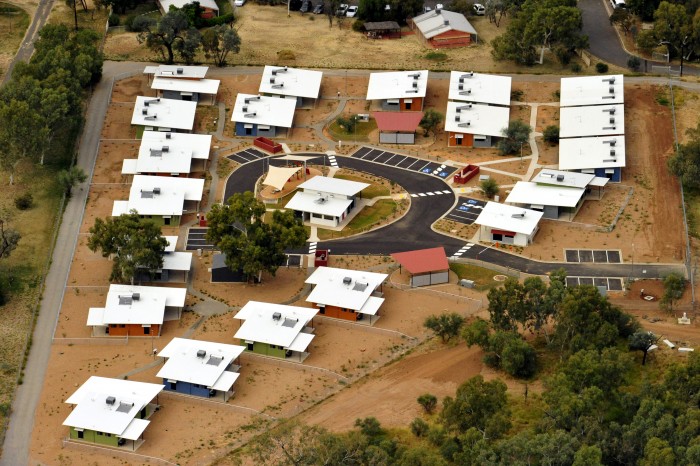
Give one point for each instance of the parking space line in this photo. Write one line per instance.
(421, 169)
(387, 160)
(380, 154)
(414, 162)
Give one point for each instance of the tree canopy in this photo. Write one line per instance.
(251, 245)
(136, 245)
(389, 10)
(9, 239)
(220, 41)
(514, 137)
(172, 33)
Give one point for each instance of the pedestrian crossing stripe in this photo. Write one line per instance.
(464, 249)
(312, 247)
(430, 193)
(332, 161)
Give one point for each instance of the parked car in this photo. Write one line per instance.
(479, 9)
(342, 9)
(239, 3)
(318, 9)
(352, 11)
(426, 9)
(306, 6)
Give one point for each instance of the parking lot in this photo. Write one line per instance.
(404, 161)
(599, 256)
(196, 239)
(611, 283)
(247, 155)
(467, 210)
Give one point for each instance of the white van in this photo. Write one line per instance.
(618, 3)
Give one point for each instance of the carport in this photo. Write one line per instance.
(426, 266)
(397, 127)
(383, 29)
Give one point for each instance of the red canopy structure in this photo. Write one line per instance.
(404, 122)
(426, 266)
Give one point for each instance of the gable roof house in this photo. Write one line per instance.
(112, 412)
(162, 199)
(260, 115)
(346, 294)
(326, 201)
(169, 154)
(136, 310)
(506, 224)
(200, 368)
(159, 114)
(276, 330)
(442, 29)
(474, 125)
(304, 86)
(398, 90)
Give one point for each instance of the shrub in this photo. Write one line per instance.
(113, 20)
(24, 202)
(516, 94)
(428, 401)
(575, 67)
(217, 20)
(489, 187)
(132, 25)
(419, 427)
(601, 67)
(286, 54)
(445, 326)
(634, 63)
(551, 134)
(358, 25)
(436, 56)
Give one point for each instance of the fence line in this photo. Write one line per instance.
(294, 365)
(106, 341)
(612, 225)
(216, 404)
(129, 455)
(443, 294)
(487, 265)
(355, 326)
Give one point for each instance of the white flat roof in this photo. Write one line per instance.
(198, 144)
(488, 120)
(177, 260)
(93, 413)
(590, 153)
(482, 88)
(184, 365)
(525, 192)
(346, 288)
(591, 121)
(170, 201)
(562, 178)
(333, 185)
(260, 326)
(164, 113)
(592, 90)
(172, 243)
(501, 216)
(187, 72)
(156, 160)
(264, 110)
(294, 82)
(148, 309)
(135, 429)
(320, 205)
(397, 85)
(200, 86)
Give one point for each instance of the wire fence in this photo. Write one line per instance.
(124, 454)
(101, 341)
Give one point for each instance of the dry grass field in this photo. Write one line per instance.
(14, 20)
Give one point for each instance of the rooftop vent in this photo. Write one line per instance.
(465, 124)
(136, 296)
(414, 75)
(347, 280)
(278, 86)
(124, 407)
(610, 80)
(247, 100)
(152, 117)
(279, 70)
(180, 71)
(612, 152)
(412, 91)
(201, 353)
(520, 215)
(166, 149)
(156, 190)
(464, 107)
(612, 120)
(446, 22)
(467, 75)
(560, 178)
(110, 400)
(611, 90)
(415, 85)
(168, 135)
(250, 115)
(276, 316)
(457, 118)
(612, 142)
(272, 80)
(146, 195)
(610, 160)
(609, 110)
(156, 153)
(245, 108)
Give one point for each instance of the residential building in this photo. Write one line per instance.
(259, 115)
(594, 120)
(298, 84)
(169, 154)
(444, 29)
(209, 7)
(592, 90)
(398, 90)
(478, 88)
(603, 157)
(159, 114)
(475, 125)
(325, 201)
(506, 224)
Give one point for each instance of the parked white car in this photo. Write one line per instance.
(479, 9)
(352, 11)
(239, 3)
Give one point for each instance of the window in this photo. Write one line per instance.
(458, 140)
(122, 325)
(249, 345)
(497, 237)
(173, 385)
(166, 220)
(479, 137)
(147, 330)
(81, 434)
(408, 103)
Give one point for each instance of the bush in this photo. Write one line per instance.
(428, 401)
(113, 20)
(217, 20)
(419, 427)
(132, 25)
(634, 63)
(489, 187)
(575, 67)
(436, 56)
(358, 25)
(286, 54)
(551, 134)
(445, 326)
(516, 94)
(24, 202)
(519, 358)
(601, 67)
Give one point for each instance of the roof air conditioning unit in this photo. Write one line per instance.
(166, 149)
(272, 80)
(278, 86)
(111, 400)
(469, 91)
(610, 80)
(146, 103)
(446, 23)
(520, 215)
(611, 90)
(201, 353)
(612, 152)
(461, 86)
(347, 280)
(153, 117)
(168, 135)
(135, 296)
(277, 316)
(245, 108)
(414, 76)
(415, 85)
(156, 190)
(613, 142)
(457, 118)
(612, 121)
(464, 107)
(180, 71)
(144, 111)
(560, 178)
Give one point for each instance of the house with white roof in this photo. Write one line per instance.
(444, 29)
(112, 412)
(474, 125)
(200, 368)
(276, 329)
(169, 154)
(158, 114)
(211, 9)
(136, 310)
(399, 90)
(176, 71)
(260, 115)
(346, 294)
(292, 83)
(480, 88)
(176, 266)
(595, 120)
(557, 194)
(325, 201)
(507, 224)
(600, 156)
(183, 82)
(592, 90)
(161, 199)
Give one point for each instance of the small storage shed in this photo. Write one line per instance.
(383, 29)
(397, 127)
(426, 266)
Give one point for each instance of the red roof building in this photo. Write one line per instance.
(397, 127)
(426, 266)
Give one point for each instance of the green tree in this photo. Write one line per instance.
(551, 134)
(172, 33)
(504, 350)
(420, 456)
(644, 8)
(642, 341)
(478, 404)
(672, 25)
(430, 121)
(489, 187)
(588, 455)
(623, 18)
(674, 287)
(685, 163)
(118, 6)
(218, 42)
(419, 427)
(68, 179)
(9, 239)
(135, 244)
(514, 137)
(428, 402)
(238, 229)
(370, 427)
(445, 326)
(658, 452)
